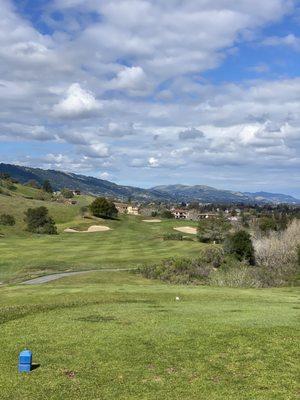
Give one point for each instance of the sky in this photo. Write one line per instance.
(150, 92)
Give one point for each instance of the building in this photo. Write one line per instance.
(133, 210)
(122, 208)
(180, 213)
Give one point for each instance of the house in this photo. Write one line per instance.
(121, 207)
(207, 216)
(133, 210)
(179, 213)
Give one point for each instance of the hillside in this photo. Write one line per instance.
(167, 193)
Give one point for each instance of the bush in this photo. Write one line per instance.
(238, 274)
(38, 221)
(277, 255)
(173, 236)
(213, 230)
(240, 245)
(103, 208)
(8, 220)
(41, 195)
(67, 194)
(167, 214)
(185, 270)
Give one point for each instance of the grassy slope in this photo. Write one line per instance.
(130, 242)
(118, 336)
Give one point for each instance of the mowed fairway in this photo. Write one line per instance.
(117, 336)
(130, 242)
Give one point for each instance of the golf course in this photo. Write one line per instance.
(110, 333)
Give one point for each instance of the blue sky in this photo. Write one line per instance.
(147, 92)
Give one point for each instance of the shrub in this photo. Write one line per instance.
(238, 274)
(240, 245)
(185, 270)
(67, 193)
(167, 214)
(103, 208)
(173, 236)
(38, 221)
(6, 219)
(277, 255)
(42, 195)
(213, 230)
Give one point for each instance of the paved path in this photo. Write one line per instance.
(54, 277)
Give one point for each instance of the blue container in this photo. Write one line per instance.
(24, 367)
(25, 361)
(25, 357)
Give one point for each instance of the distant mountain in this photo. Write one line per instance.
(168, 193)
(203, 194)
(87, 184)
(207, 194)
(276, 198)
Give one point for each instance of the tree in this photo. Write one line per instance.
(6, 219)
(167, 214)
(240, 245)
(103, 208)
(213, 230)
(67, 193)
(267, 224)
(38, 221)
(47, 186)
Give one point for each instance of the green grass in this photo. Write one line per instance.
(129, 243)
(117, 336)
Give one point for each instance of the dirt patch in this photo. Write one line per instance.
(151, 220)
(93, 228)
(187, 229)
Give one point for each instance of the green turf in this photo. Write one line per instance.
(129, 243)
(118, 336)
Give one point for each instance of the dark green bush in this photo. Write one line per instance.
(173, 236)
(8, 220)
(38, 221)
(240, 245)
(103, 208)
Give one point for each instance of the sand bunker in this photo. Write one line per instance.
(151, 220)
(187, 229)
(93, 228)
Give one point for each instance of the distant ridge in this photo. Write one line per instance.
(167, 193)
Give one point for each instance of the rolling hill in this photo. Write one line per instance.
(167, 193)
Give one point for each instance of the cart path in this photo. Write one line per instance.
(54, 277)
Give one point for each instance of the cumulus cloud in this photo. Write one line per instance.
(190, 134)
(77, 103)
(133, 78)
(119, 85)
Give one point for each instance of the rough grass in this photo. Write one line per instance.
(118, 336)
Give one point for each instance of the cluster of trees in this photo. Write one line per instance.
(103, 208)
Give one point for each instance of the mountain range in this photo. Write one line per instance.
(164, 193)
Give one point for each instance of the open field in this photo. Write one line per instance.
(106, 335)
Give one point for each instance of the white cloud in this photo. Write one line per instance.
(78, 103)
(153, 162)
(130, 78)
(289, 40)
